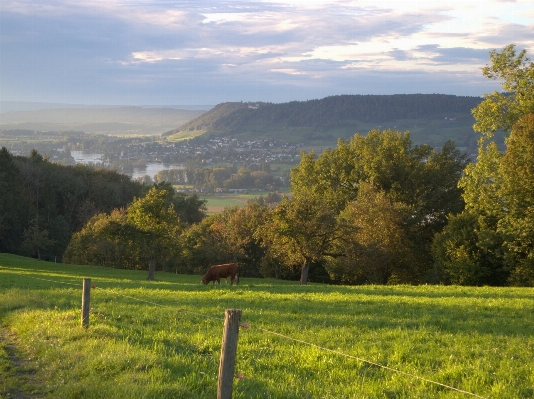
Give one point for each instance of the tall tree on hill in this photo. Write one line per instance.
(497, 186)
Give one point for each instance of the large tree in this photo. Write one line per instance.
(420, 178)
(373, 240)
(517, 223)
(190, 208)
(13, 203)
(501, 110)
(300, 230)
(106, 240)
(497, 186)
(144, 233)
(35, 239)
(158, 225)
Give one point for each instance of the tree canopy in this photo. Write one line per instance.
(419, 180)
(496, 225)
(500, 111)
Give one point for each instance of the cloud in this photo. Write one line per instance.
(128, 51)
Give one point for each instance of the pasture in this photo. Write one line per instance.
(162, 339)
(219, 201)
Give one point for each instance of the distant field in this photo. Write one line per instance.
(219, 201)
(162, 339)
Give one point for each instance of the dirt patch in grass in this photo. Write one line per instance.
(17, 372)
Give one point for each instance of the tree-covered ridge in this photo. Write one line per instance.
(330, 111)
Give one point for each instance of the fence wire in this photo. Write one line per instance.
(247, 325)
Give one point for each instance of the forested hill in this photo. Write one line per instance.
(330, 116)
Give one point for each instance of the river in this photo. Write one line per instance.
(151, 169)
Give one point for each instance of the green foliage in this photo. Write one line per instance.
(497, 188)
(34, 240)
(145, 232)
(374, 240)
(461, 259)
(300, 230)
(517, 223)
(478, 339)
(189, 208)
(13, 198)
(106, 240)
(502, 110)
(228, 236)
(57, 199)
(158, 226)
(415, 178)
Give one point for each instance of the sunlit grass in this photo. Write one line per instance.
(480, 340)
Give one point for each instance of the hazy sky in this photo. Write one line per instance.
(207, 52)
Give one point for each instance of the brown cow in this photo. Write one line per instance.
(216, 272)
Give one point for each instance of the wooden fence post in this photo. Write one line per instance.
(228, 353)
(86, 300)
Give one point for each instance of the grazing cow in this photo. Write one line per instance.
(216, 272)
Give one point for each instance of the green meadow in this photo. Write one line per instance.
(162, 339)
(218, 201)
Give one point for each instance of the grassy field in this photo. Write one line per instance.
(162, 339)
(217, 202)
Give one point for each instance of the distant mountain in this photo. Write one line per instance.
(431, 118)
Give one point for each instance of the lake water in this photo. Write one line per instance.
(151, 169)
(86, 157)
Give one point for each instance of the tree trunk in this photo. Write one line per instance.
(151, 269)
(304, 272)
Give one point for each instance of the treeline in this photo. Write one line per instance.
(330, 112)
(365, 212)
(42, 203)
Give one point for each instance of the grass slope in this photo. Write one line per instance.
(162, 339)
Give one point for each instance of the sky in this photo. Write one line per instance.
(194, 52)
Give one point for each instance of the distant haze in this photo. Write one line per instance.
(110, 120)
(15, 106)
